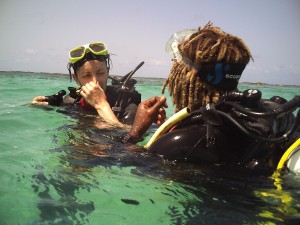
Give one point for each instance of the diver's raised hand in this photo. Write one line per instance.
(148, 112)
(95, 96)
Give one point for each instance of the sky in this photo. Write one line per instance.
(36, 35)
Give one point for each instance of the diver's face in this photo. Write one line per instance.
(92, 71)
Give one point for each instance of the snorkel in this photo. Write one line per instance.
(127, 87)
(126, 81)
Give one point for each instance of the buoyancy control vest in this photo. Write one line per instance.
(241, 130)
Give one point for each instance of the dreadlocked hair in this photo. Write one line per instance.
(208, 45)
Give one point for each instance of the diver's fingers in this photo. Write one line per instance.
(160, 120)
(164, 99)
(160, 102)
(151, 101)
(40, 100)
(83, 91)
(161, 113)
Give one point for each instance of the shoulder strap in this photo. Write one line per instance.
(211, 118)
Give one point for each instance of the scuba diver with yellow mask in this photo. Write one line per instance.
(215, 123)
(116, 103)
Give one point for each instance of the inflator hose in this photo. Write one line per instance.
(287, 154)
(167, 125)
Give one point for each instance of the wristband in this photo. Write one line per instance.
(129, 139)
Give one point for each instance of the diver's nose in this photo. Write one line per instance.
(94, 78)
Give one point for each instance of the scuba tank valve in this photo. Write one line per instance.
(249, 97)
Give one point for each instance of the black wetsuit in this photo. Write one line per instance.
(210, 136)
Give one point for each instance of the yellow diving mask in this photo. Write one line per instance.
(97, 48)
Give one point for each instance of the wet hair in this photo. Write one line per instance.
(208, 45)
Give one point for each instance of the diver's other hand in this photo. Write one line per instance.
(149, 111)
(161, 117)
(40, 100)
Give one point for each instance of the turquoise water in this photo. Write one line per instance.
(59, 169)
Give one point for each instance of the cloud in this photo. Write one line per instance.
(156, 62)
(30, 51)
(23, 60)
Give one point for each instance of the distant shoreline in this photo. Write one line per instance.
(266, 84)
(159, 78)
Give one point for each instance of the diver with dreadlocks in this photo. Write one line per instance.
(214, 121)
(116, 103)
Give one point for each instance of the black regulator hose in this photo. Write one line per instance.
(279, 112)
(284, 137)
(282, 110)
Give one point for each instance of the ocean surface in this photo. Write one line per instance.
(61, 168)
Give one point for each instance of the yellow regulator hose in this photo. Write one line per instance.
(287, 154)
(167, 125)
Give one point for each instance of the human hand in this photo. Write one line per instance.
(93, 94)
(149, 111)
(40, 100)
